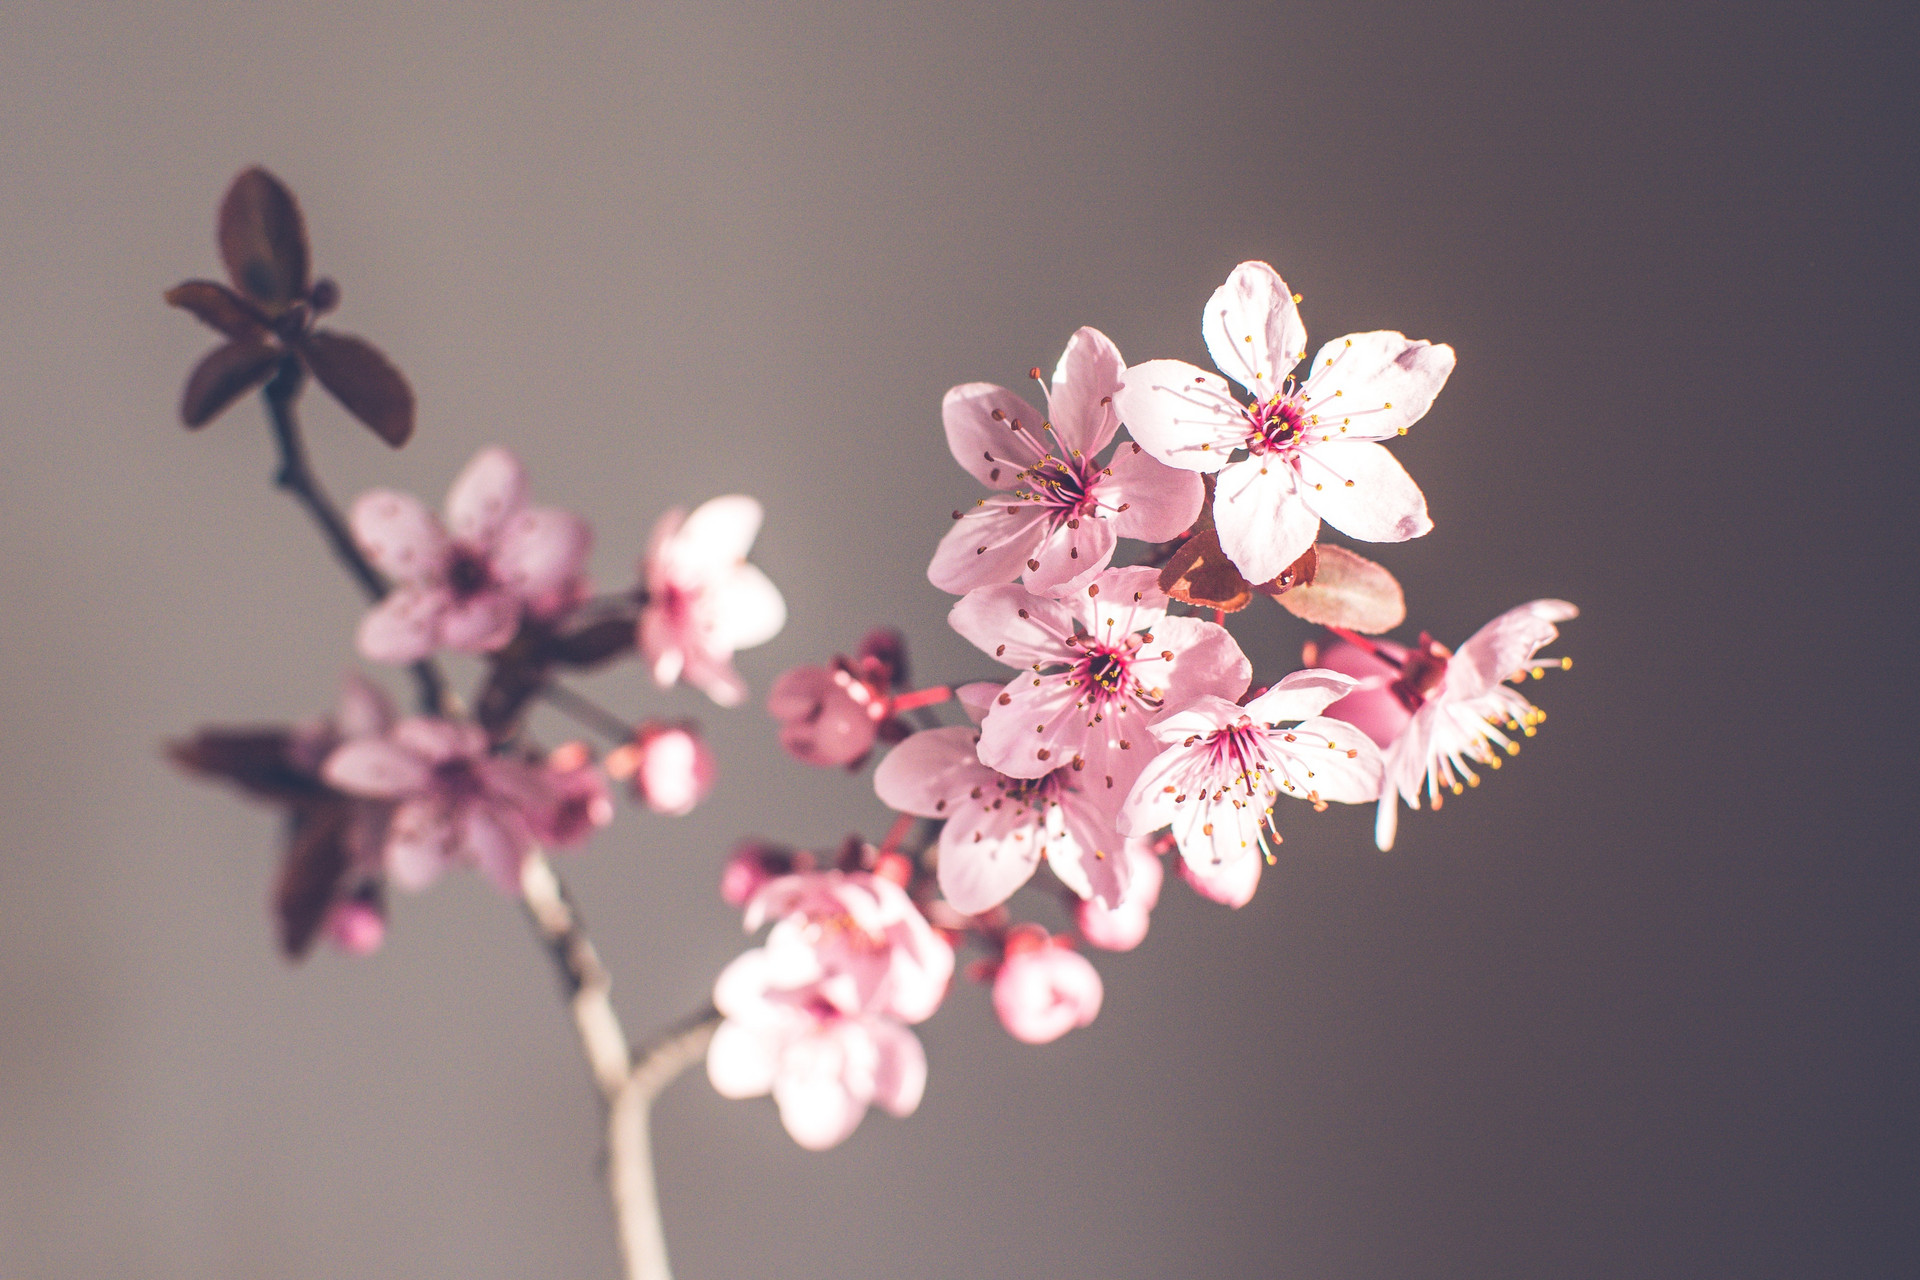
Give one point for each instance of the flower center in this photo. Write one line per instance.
(1059, 485)
(468, 574)
(456, 779)
(1104, 673)
(1274, 425)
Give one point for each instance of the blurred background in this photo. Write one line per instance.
(1644, 1005)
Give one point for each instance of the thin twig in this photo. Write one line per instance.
(587, 712)
(297, 478)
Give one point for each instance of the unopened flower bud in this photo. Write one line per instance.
(828, 715)
(357, 926)
(668, 766)
(1045, 991)
(752, 865)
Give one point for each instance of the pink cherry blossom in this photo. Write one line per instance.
(998, 828)
(669, 766)
(1310, 450)
(753, 864)
(704, 601)
(1096, 668)
(1224, 766)
(1373, 707)
(1231, 884)
(576, 800)
(1462, 710)
(356, 926)
(823, 1064)
(1057, 510)
(465, 584)
(829, 716)
(456, 803)
(1045, 989)
(858, 938)
(1124, 927)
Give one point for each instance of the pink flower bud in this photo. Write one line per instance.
(668, 766)
(752, 865)
(357, 927)
(828, 715)
(1045, 991)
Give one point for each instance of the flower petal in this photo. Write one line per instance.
(900, 1074)
(747, 608)
(1206, 660)
(1253, 329)
(1094, 863)
(400, 536)
(1502, 647)
(1035, 731)
(930, 771)
(489, 490)
(987, 853)
(480, 623)
(420, 842)
(1337, 776)
(541, 550)
(986, 446)
(1181, 414)
(1230, 884)
(1159, 502)
(741, 1059)
(1262, 523)
(987, 545)
(375, 768)
(404, 627)
(1012, 624)
(1084, 382)
(1384, 383)
(1363, 491)
(1071, 555)
(1301, 694)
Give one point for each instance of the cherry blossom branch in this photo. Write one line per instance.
(297, 478)
(636, 1201)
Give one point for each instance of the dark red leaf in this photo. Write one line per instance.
(258, 761)
(217, 307)
(311, 874)
(593, 644)
(364, 381)
(224, 375)
(1200, 573)
(263, 240)
(1298, 574)
(1347, 590)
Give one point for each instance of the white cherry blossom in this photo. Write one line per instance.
(1299, 452)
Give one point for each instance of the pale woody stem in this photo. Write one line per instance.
(629, 1088)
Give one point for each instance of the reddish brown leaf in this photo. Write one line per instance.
(224, 375)
(263, 240)
(258, 761)
(1201, 574)
(217, 307)
(1348, 591)
(364, 381)
(310, 874)
(598, 642)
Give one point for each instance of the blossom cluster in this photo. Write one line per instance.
(1127, 722)
(1122, 723)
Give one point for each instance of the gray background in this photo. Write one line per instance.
(1644, 1005)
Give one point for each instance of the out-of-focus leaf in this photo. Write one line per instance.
(224, 375)
(263, 240)
(364, 381)
(1348, 591)
(593, 644)
(258, 761)
(310, 874)
(1201, 574)
(217, 307)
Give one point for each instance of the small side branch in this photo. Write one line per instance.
(636, 1202)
